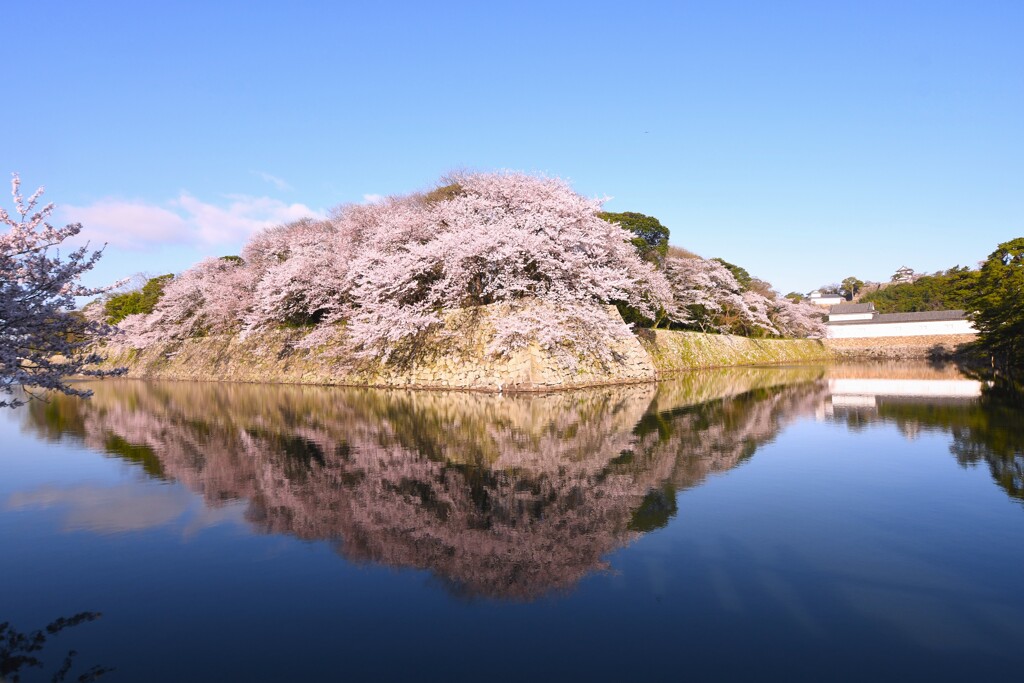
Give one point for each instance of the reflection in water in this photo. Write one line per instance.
(499, 496)
(984, 420)
(21, 652)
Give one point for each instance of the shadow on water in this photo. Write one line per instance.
(22, 653)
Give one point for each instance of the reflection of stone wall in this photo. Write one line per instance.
(499, 496)
(894, 369)
(457, 358)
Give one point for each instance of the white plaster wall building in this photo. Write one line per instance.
(826, 300)
(848, 321)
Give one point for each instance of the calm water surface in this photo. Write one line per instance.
(858, 522)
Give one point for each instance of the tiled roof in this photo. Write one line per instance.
(851, 308)
(920, 316)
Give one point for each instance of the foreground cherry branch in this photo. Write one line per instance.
(43, 341)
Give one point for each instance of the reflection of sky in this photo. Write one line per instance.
(127, 506)
(825, 528)
(28, 461)
(93, 493)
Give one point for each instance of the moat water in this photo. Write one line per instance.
(807, 523)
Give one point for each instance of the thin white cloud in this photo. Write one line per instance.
(239, 219)
(279, 183)
(373, 198)
(185, 220)
(127, 224)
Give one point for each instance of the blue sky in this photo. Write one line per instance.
(806, 141)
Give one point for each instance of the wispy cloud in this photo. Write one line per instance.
(373, 198)
(184, 220)
(127, 224)
(279, 183)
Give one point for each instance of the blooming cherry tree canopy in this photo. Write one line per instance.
(377, 279)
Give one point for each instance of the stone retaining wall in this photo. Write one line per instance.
(457, 360)
(929, 346)
(676, 351)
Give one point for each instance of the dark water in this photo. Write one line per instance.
(854, 523)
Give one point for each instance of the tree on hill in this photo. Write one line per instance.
(945, 290)
(208, 298)
(851, 287)
(999, 305)
(742, 276)
(377, 280)
(117, 307)
(707, 296)
(650, 236)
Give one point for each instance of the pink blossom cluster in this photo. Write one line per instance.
(388, 270)
(376, 279)
(707, 296)
(42, 340)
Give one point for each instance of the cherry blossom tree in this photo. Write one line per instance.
(703, 292)
(43, 341)
(378, 280)
(390, 270)
(498, 238)
(211, 297)
(706, 295)
(299, 272)
(797, 318)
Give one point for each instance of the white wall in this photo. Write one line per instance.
(836, 317)
(915, 329)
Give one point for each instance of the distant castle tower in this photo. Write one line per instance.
(904, 274)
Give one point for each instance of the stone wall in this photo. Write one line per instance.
(675, 351)
(875, 348)
(457, 358)
(454, 357)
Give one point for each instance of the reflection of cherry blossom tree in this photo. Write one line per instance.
(500, 496)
